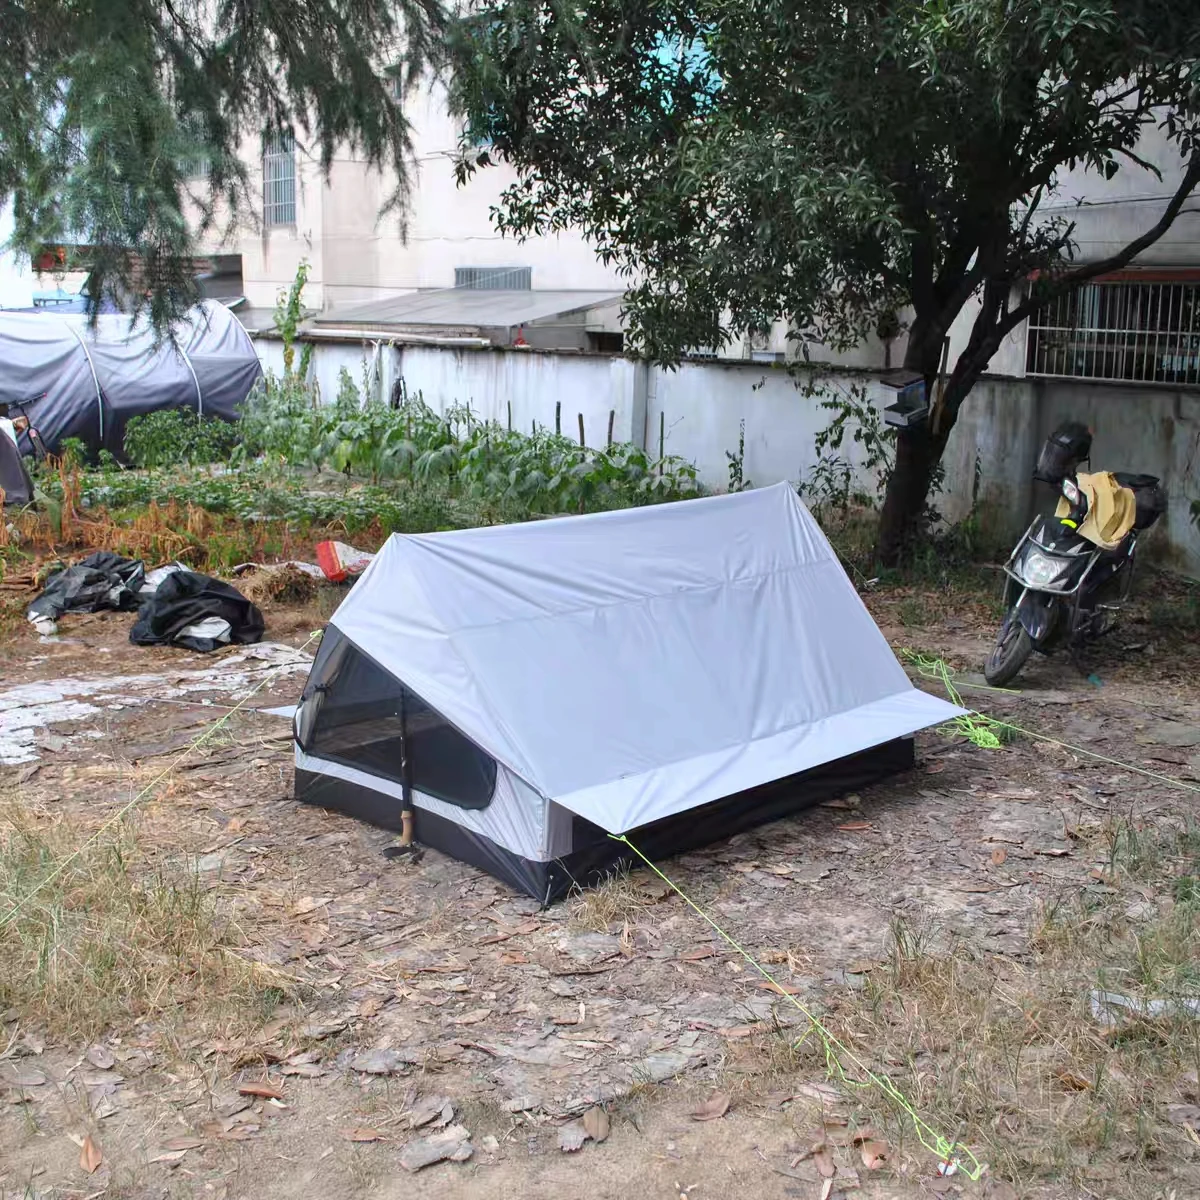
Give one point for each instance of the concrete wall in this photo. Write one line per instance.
(698, 410)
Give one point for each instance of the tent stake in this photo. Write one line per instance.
(406, 814)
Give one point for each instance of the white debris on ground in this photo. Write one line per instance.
(29, 709)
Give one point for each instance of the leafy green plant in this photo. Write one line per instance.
(737, 462)
(172, 437)
(456, 450)
(289, 312)
(831, 484)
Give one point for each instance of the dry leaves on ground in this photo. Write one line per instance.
(595, 1122)
(362, 1134)
(715, 1107)
(184, 1143)
(571, 1137)
(90, 1155)
(473, 1017)
(874, 1154)
(823, 1160)
(265, 1091)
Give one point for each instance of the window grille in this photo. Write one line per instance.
(279, 179)
(493, 279)
(1121, 331)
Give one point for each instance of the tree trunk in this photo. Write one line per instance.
(918, 452)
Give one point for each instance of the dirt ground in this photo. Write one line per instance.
(387, 990)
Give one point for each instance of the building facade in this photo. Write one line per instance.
(446, 238)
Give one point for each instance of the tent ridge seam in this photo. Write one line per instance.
(95, 378)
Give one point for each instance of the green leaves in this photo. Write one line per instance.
(109, 105)
(172, 437)
(812, 162)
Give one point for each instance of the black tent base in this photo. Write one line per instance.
(596, 854)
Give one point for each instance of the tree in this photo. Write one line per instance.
(107, 105)
(823, 161)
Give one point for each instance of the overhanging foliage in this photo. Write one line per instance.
(108, 106)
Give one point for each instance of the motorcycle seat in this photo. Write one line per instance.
(1149, 497)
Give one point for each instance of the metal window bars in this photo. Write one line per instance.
(279, 178)
(1124, 332)
(491, 279)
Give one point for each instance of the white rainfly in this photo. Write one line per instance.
(630, 665)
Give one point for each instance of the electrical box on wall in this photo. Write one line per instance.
(911, 405)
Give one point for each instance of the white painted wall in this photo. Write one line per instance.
(17, 281)
(1109, 214)
(527, 386)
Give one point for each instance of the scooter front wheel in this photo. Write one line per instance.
(1013, 646)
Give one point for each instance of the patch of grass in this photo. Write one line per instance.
(1176, 613)
(113, 934)
(619, 900)
(912, 611)
(1047, 1090)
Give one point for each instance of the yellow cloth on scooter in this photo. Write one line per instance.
(1110, 513)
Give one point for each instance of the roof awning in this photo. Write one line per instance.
(469, 308)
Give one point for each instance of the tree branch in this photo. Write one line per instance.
(1115, 262)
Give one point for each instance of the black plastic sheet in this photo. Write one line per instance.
(102, 580)
(186, 599)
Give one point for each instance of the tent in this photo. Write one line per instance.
(14, 479)
(676, 673)
(82, 381)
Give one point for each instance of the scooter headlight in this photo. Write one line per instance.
(1070, 490)
(1039, 570)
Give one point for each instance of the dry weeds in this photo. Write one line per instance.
(103, 932)
(619, 901)
(1012, 1054)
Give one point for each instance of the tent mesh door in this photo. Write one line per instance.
(352, 712)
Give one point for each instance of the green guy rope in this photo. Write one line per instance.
(936, 668)
(952, 1155)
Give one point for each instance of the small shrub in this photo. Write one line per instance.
(173, 437)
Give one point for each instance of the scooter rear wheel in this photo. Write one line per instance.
(1008, 656)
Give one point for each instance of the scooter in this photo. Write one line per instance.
(1060, 588)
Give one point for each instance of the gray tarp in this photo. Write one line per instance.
(81, 382)
(14, 479)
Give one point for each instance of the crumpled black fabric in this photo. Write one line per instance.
(187, 597)
(102, 580)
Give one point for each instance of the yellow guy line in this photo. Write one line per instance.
(192, 746)
(951, 1153)
(936, 668)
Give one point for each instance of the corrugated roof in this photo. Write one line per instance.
(468, 308)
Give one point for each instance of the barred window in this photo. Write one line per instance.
(279, 178)
(1127, 331)
(518, 279)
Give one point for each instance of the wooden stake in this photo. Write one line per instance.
(936, 414)
(581, 441)
(510, 416)
(612, 413)
(558, 417)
